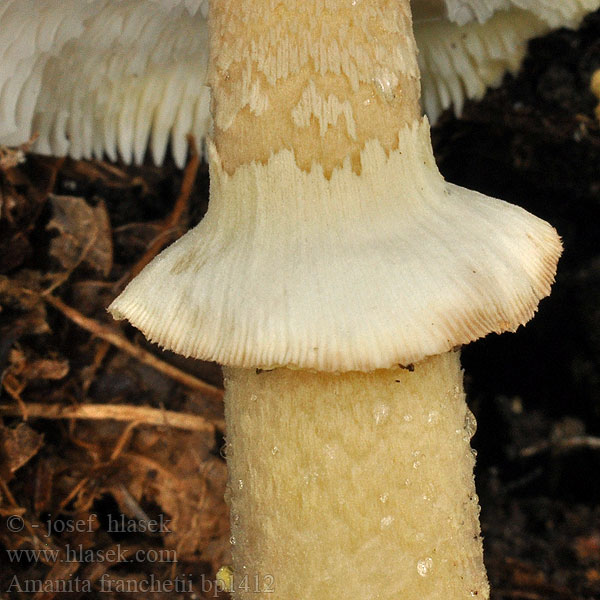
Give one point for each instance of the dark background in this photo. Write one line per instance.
(536, 393)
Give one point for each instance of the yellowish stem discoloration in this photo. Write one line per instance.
(357, 485)
(318, 77)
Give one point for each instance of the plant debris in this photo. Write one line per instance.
(111, 478)
(84, 234)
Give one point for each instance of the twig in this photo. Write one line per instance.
(6, 491)
(91, 370)
(116, 339)
(14, 389)
(143, 415)
(81, 484)
(562, 445)
(123, 440)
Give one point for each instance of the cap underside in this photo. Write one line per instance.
(95, 78)
(357, 272)
(459, 58)
(459, 63)
(557, 13)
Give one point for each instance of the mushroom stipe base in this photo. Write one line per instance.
(354, 485)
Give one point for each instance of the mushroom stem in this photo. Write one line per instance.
(320, 78)
(351, 485)
(357, 485)
(332, 251)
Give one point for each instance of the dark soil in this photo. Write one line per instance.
(536, 393)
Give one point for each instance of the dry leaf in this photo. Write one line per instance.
(16, 294)
(29, 368)
(18, 446)
(84, 234)
(46, 368)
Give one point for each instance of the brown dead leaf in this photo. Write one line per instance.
(16, 294)
(47, 368)
(84, 234)
(28, 368)
(18, 446)
(189, 488)
(37, 368)
(158, 472)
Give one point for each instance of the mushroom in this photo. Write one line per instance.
(466, 46)
(334, 275)
(98, 77)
